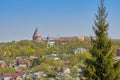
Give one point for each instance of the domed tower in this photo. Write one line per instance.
(36, 36)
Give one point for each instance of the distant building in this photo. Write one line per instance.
(117, 57)
(36, 36)
(10, 76)
(79, 50)
(50, 43)
(62, 39)
(3, 64)
(67, 63)
(6, 76)
(22, 63)
(118, 52)
(51, 40)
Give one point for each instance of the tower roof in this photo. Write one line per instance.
(36, 33)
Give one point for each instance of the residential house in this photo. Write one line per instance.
(54, 56)
(3, 64)
(33, 57)
(10, 76)
(6, 76)
(18, 75)
(38, 75)
(79, 50)
(118, 52)
(117, 55)
(66, 70)
(22, 63)
(67, 63)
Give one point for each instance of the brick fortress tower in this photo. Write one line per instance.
(36, 36)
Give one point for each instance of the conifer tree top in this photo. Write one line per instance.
(101, 66)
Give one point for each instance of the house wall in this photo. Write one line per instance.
(118, 52)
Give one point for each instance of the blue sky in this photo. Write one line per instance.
(19, 18)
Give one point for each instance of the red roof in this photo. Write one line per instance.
(22, 61)
(20, 73)
(3, 65)
(67, 62)
(7, 74)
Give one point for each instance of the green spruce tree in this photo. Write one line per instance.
(102, 66)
